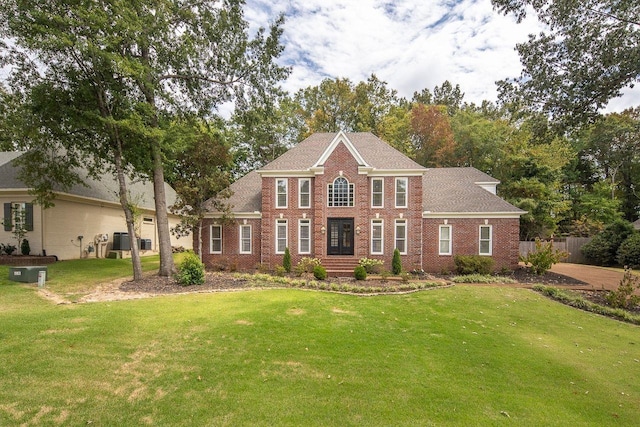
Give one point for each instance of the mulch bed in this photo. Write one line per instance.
(216, 281)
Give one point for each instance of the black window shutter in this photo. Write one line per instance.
(28, 216)
(7, 217)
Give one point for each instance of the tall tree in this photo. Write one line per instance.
(169, 56)
(587, 56)
(432, 136)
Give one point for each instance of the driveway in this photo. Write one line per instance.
(597, 277)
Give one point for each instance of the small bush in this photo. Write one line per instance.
(404, 276)
(8, 249)
(473, 264)
(482, 278)
(629, 251)
(360, 273)
(25, 249)
(191, 271)
(372, 265)
(279, 271)
(286, 260)
(396, 263)
(319, 272)
(543, 257)
(307, 265)
(623, 297)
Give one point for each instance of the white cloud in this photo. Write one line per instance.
(411, 44)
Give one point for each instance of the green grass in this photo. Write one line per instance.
(455, 356)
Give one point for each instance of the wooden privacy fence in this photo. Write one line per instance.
(568, 244)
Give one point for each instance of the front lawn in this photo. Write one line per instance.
(455, 356)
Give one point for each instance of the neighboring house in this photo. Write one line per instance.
(82, 211)
(340, 197)
(636, 224)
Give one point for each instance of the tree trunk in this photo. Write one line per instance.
(124, 202)
(167, 266)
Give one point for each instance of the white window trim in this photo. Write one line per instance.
(381, 223)
(286, 193)
(480, 240)
(406, 193)
(382, 194)
(211, 239)
(250, 239)
(440, 239)
(284, 222)
(300, 182)
(306, 222)
(406, 234)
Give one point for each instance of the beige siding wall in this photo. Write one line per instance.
(34, 237)
(56, 229)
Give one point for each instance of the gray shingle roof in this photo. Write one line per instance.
(375, 152)
(247, 194)
(105, 188)
(455, 190)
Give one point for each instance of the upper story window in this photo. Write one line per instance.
(377, 192)
(401, 192)
(281, 192)
(304, 193)
(485, 243)
(340, 192)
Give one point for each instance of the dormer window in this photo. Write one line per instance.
(340, 192)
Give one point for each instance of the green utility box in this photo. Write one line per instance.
(26, 274)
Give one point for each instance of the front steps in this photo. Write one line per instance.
(340, 266)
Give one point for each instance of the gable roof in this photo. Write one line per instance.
(458, 190)
(370, 150)
(246, 195)
(105, 188)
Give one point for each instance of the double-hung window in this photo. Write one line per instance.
(377, 237)
(245, 239)
(485, 244)
(281, 235)
(444, 240)
(216, 239)
(401, 235)
(377, 192)
(402, 185)
(304, 236)
(281, 192)
(304, 193)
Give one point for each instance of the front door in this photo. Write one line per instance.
(340, 236)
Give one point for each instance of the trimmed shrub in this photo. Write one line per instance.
(279, 271)
(473, 264)
(360, 273)
(306, 265)
(286, 260)
(543, 257)
(25, 249)
(319, 272)
(629, 251)
(396, 263)
(603, 248)
(371, 265)
(191, 271)
(624, 297)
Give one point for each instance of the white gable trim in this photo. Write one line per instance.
(340, 137)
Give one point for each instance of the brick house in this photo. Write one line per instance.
(343, 196)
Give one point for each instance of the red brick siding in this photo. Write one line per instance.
(465, 241)
(231, 258)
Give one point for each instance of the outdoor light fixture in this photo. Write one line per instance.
(323, 229)
(358, 229)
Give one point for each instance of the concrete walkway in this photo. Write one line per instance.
(597, 277)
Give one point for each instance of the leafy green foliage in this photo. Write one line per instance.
(629, 251)
(360, 273)
(586, 57)
(319, 272)
(543, 257)
(396, 262)
(603, 248)
(190, 271)
(286, 260)
(473, 264)
(371, 265)
(7, 248)
(307, 265)
(624, 296)
(482, 278)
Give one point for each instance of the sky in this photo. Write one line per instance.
(410, 44)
